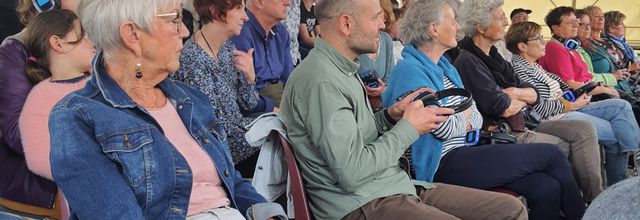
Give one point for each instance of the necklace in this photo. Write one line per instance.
(207, 42)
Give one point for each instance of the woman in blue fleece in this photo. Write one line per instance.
(539, 172)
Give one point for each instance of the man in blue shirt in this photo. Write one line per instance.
(270, 41)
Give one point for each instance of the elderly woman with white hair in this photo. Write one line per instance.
(133, 144)
(539, 172)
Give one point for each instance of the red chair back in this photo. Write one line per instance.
(300, 202)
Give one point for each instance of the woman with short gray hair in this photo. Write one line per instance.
(143, 146)
(443, 155)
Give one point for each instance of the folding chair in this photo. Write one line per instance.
(300, 202)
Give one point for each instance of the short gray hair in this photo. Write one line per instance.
(474, 12)
(414, 26)
(328, 9)
(101, 19)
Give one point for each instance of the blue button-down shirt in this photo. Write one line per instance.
(271, 56)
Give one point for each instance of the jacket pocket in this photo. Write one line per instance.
(132, 150)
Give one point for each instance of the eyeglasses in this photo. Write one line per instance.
(540, 39)
(176, 18)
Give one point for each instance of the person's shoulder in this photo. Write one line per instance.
(12, 48)
(315, 68)
(466, 58)
(80, 99)
(554, 46)
(281, 31)
(280, 28)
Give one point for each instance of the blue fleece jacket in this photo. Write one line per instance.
(415, 71)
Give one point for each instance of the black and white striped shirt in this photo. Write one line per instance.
(549, 85)
(454, 129)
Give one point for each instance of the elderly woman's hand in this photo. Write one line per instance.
(244, 62)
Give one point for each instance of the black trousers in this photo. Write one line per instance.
(539, 172)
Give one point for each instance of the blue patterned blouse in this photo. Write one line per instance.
(224, 84)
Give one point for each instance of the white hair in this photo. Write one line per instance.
(474, 12)
(101, 19)
(414, 26)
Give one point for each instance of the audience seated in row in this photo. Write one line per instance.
(211, 63)
(143, 146)
(130, 116)
(516, 167)
(348, 154)
(22, 190)
(269, 40)
(501, 96)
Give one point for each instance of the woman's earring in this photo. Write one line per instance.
(138, 70)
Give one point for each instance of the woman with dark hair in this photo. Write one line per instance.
(211, 63)
(20, 189)
(564, 61)
(58, 64)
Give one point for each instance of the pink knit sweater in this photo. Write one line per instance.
(33, 123)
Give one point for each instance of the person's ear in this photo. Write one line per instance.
(131, 37)
(522, 47)
(479, 29)
(259, 4)
(345, 24)
(55, 43)
(555, 28)
(433, 30)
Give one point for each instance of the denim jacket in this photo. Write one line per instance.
(112, 160)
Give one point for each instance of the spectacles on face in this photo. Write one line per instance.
(540, 39)
(176, 18)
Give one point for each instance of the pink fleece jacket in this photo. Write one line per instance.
(33, 122)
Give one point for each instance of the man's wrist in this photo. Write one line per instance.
(388, 116)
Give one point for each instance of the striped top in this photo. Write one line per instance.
(454, 129)
(549, 85)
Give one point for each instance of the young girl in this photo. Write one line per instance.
(58, 62)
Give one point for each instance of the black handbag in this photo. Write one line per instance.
(531, 118)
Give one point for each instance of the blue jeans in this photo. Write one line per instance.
(615, 123)
(617, 130)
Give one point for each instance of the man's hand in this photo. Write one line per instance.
(425, 119)
(397, 110)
